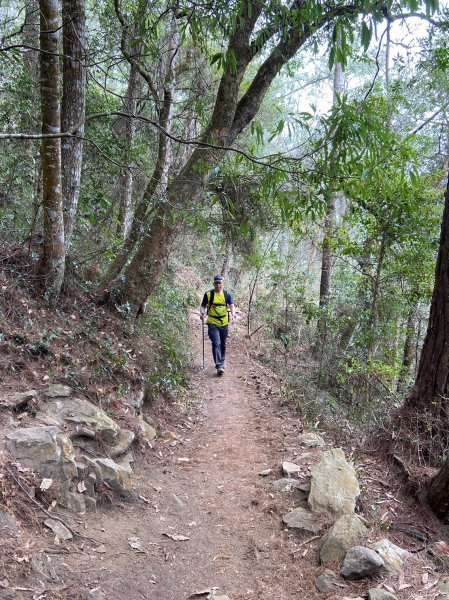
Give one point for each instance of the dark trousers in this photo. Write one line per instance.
(218, 336)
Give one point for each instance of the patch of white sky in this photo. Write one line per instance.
(310, 89)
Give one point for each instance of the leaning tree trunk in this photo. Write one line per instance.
(53, 252)
(73, 108)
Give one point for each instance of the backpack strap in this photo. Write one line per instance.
(211, 300)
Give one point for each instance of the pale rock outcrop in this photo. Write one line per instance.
(334, 486)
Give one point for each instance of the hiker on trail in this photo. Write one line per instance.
(218, 305)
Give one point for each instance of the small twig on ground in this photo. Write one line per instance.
(315, 537)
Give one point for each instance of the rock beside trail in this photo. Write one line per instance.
(361, 562)
(148, 432)
(81, 413)
(58, 391)
(311, 440)
(290, 469)
(286, 484)
(393, 555)
(59, 529)
(299, 518)
(8, 526)
(46, 450)
(116, 476)
(19, 399)
(334, 486)
(341, 537)
(327, 582)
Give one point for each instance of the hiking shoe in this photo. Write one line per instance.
(220, 371)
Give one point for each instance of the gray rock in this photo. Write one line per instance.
(42, 565)
(334, 487)
(327, 581)
(302, 519)
(285, 484)
(379, 594)
(58, 391)
(306, 458)
(8, 525)
(361, 562)
(311, 440)
(46, 450)
(265, 472)
(59, 529)
(148, 432)
(91, 503)
(290, 469)
(393, 555)
(19, 399)
(124, 440)
(304, 487)
(82, 413)
(116, 476)
(341, 537)
(74, 501)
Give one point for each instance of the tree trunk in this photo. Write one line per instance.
(73, 108)
(375, 294)
(431, 390)
(438, 491)
(233, 111)
(409, 346)
(31, 38)
(53, 252)
(126, 178)
(329, 224)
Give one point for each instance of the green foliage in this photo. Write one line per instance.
(166, 323)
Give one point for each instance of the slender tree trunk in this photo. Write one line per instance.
(53, 253)
(126, 179)
(73, 108)
(409, 346)
(226, 263)
(31, 38)
(329, 224)
(375, 294)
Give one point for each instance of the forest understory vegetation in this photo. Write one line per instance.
(104, 356)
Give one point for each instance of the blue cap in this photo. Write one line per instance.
(218, 278)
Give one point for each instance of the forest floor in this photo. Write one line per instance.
(202, 522)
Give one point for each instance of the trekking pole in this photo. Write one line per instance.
(202, 335)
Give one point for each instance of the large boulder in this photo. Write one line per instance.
(85, 415)
(46, 450)
(334, 487)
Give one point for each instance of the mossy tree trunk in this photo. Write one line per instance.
(53, 251)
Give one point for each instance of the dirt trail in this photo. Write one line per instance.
(203, 482)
